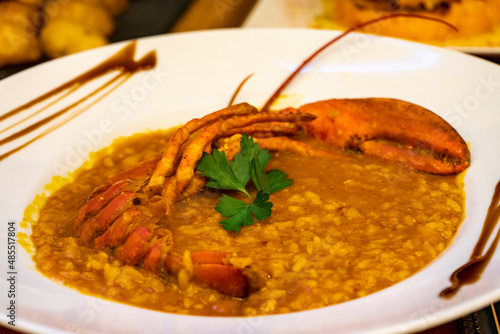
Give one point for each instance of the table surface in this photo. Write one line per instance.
(190, 15)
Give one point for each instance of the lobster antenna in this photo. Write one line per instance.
(345, 33)
(235, 94)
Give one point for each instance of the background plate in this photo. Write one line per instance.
(303, 13)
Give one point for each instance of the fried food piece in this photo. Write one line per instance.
(17, 45)
(92, 16)
(18, 29)
(74, 26)
(31, 28)
(17, 13)
(62, 37)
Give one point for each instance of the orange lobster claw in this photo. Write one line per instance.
(390, 129)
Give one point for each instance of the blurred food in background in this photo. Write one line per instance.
(32, 29)
(478, 21)
(19, 24)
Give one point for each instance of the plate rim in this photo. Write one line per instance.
(116, 45)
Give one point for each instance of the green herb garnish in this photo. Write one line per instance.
(247, 165)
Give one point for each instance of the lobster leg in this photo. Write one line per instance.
(185, 172)
(231, 146)
(128, 181)
(165, 166)
(101, 221)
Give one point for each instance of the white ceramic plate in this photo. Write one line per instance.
(303, 13)
(196, 74)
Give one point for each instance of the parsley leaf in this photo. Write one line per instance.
(221, 175)
(248, 164)
(242, 169)
(271, 181)
(261, 208)
(278, 180)
(240, 213)
(259, 177)
(250, 149)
